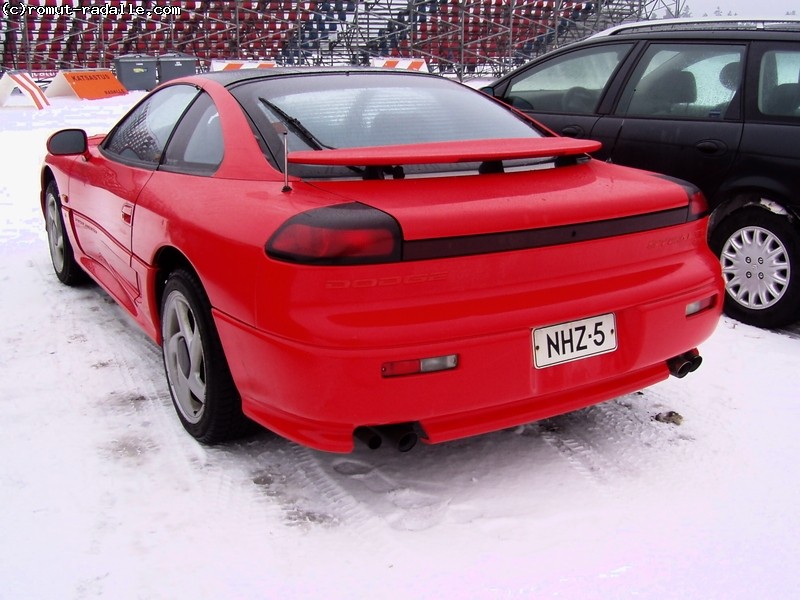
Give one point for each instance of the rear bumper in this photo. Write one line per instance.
(310, 368)
(318, 395)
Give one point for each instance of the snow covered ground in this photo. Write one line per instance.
(102, 494)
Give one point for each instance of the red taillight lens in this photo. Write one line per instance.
(299, 239)
(698, 205)
(345, 234)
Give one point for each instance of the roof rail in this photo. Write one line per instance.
(722, 23)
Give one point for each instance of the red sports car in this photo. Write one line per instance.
(346, 253)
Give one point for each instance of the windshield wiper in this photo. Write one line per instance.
(295, 124)
(302, 130)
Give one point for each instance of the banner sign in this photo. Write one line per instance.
(235, 65)
(22, 81)
(409, 64)
(86, 84)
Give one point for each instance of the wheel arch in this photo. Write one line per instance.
(47, 176)
(769, 196)
(167, 259)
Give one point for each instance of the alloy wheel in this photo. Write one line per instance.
(55, 232)
(184, 357)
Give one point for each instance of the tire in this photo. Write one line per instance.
(760, 256)
(200, 383)
(65, 266)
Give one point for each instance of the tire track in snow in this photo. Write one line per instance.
(117, 374)
(312, 492)
(262, 479)
(604, 444)
(616, 440)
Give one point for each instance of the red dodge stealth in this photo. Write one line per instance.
(342, 254)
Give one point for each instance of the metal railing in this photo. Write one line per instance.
(454, 36)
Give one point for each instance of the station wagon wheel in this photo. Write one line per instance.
(760, 258)
(64, 264)
(200, 382)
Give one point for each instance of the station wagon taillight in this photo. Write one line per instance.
(345, 234)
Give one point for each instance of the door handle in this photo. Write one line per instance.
(127, 213)
(711, 147)
(573, 131)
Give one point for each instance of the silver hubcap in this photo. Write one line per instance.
(183, 355)
(55, 233)
(756, 268)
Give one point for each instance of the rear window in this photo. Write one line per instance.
(371, 109)
(779, 84)
(684, 81)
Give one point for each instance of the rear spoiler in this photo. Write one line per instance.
(447, 152)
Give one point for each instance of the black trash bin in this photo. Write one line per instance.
(174, 65)
(137, 71)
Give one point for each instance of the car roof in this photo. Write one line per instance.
(232, 77)
(716, 24)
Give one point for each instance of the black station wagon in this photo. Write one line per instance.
(714, 102)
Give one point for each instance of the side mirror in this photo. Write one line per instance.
(68, 141)
(489, 90)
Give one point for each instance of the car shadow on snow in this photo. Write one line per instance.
(594, 450)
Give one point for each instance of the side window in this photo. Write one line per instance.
(141, 137)
(779, 83)
(572, 83)
(684, 81)
(196, 147)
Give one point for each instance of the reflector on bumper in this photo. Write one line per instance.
(419, 365)
(699, 306)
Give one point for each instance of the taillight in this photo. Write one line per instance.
(698, 205)
(345, 234)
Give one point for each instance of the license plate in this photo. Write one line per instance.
(575, 340)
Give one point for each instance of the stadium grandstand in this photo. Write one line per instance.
(462, 37)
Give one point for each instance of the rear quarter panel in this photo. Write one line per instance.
(221, 226)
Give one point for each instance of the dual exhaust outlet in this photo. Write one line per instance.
(402, 436)
(683, 364)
